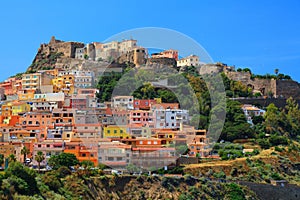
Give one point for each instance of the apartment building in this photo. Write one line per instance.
(145, 118)
(200, 144)
(87, 131)
(37, 82)
(11, 86)
(170, 118)
(48, 148)
(20, 107)
(36, 119)
(114, 154)
(64, 84)
(113, 131)
(123, 102)
(153, 158)
(84, 151)
(82, 78)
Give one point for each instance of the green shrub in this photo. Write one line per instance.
(278, 140)
(278, 149)
(264, 143)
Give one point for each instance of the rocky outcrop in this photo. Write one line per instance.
(48, 54)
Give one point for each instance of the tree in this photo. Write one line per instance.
(276, 71)
(21, 178)
(12, 158)
(87, 164)
(63, 159)
(39, 157)
(1, 159)
(257, 119)
(236, 126)
(24, 152)
(272, 118)
(86, 57)
(293, 117)
(132, 168)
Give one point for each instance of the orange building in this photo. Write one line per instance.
(84, 151)
(200, 144)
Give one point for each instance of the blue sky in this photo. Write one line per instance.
(261, 35)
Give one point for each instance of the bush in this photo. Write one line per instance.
(221, 175)
(277, 140)
(264, 143)
(278, 149)
(234, 191)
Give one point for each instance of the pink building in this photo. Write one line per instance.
(48, 148)
(171, 53)
(141, 117)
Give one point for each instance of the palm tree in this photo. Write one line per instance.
(39, 157)
(25, 152)
(12, 158)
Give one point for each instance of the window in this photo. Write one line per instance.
(115, 131)
(119, 158)
(110, 158)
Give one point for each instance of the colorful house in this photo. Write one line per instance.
(115, 132)
(20, 107)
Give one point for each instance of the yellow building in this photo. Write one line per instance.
(115, 132)
(20, 107)
(7, 110)
(64, 84)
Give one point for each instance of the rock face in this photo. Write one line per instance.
(48, 54)
(278, 88)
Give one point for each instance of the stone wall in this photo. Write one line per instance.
(264, 86)
(278, 88)
(136, 56)
(287, 88)
(162, 61)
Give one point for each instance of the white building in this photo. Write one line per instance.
(123, 102)
(170, 118)
(191, 60)
(83, 79)
(251, 111)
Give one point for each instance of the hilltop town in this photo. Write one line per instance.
(63, 103)
(53, 107)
